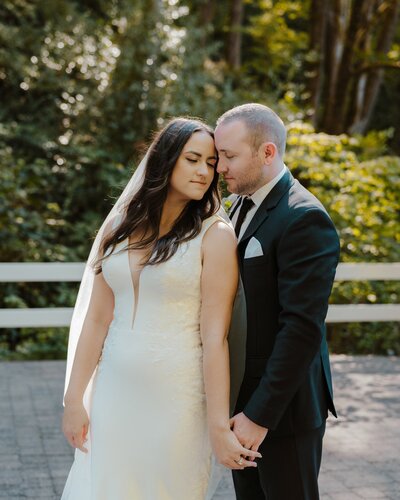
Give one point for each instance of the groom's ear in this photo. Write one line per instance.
(268, 152)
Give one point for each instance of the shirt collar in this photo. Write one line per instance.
(259, 196)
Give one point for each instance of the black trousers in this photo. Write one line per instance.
(288, 469)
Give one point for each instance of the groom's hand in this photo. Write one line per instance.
(249, 434)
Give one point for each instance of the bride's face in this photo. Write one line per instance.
(195, 169)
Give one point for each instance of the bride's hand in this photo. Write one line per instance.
(228, 451)
(75, 425)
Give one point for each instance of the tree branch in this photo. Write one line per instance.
(378, 65)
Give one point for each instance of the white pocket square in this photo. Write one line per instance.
(253, 249)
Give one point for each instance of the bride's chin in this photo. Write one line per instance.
(197, 197)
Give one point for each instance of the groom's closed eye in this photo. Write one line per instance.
(228, 154)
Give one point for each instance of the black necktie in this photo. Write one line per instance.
(247, 203)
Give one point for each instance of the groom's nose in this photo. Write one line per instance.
(221, 167)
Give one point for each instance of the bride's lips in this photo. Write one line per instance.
(198, 182)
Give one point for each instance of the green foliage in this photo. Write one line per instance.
(275, 56)
(33, 344)
(360, 190)
(358, 186)
(365, 338)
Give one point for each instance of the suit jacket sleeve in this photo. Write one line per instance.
(307, 256)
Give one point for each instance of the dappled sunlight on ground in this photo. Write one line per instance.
(360, 461)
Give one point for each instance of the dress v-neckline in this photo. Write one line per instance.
(134, 283)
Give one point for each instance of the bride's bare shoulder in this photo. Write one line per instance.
(220, 235)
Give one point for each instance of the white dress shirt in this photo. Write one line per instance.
(258, 197)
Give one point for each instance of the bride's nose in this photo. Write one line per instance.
(202, 169)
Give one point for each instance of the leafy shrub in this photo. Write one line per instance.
(359, 186)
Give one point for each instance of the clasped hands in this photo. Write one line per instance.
(237, 448)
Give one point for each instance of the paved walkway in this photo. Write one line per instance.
(361, 453)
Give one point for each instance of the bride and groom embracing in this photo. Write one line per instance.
(196, 334)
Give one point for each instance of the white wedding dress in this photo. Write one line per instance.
(148, 436)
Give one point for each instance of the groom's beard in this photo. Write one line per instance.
(249, 180)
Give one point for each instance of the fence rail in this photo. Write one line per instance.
(73, 271)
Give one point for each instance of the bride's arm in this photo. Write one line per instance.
(75, 423)
(94, 330)
(219, 283)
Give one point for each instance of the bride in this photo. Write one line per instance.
(147, 383)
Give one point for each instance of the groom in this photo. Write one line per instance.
(288, 253)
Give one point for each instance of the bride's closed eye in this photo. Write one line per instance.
(211, 165)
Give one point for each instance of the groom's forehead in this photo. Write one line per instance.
(230, 133)
(235, 125)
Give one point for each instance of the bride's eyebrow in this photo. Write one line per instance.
(194, 153)
(199, 155)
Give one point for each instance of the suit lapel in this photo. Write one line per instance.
(269, 203)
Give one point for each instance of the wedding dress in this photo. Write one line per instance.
(148, 436)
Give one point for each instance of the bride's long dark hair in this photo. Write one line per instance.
(145, 208)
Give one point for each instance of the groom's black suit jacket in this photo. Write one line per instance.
(287, 383)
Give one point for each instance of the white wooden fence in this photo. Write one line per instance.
(72, 272)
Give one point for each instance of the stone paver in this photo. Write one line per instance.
(361, 457)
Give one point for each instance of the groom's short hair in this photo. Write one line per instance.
(262, 124)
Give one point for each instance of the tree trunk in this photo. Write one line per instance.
(206, 15)
(354, 33)
(234, 56)
(340, 84)
(371, 80)
(207, 12)
(337, 13)
(318, 22)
